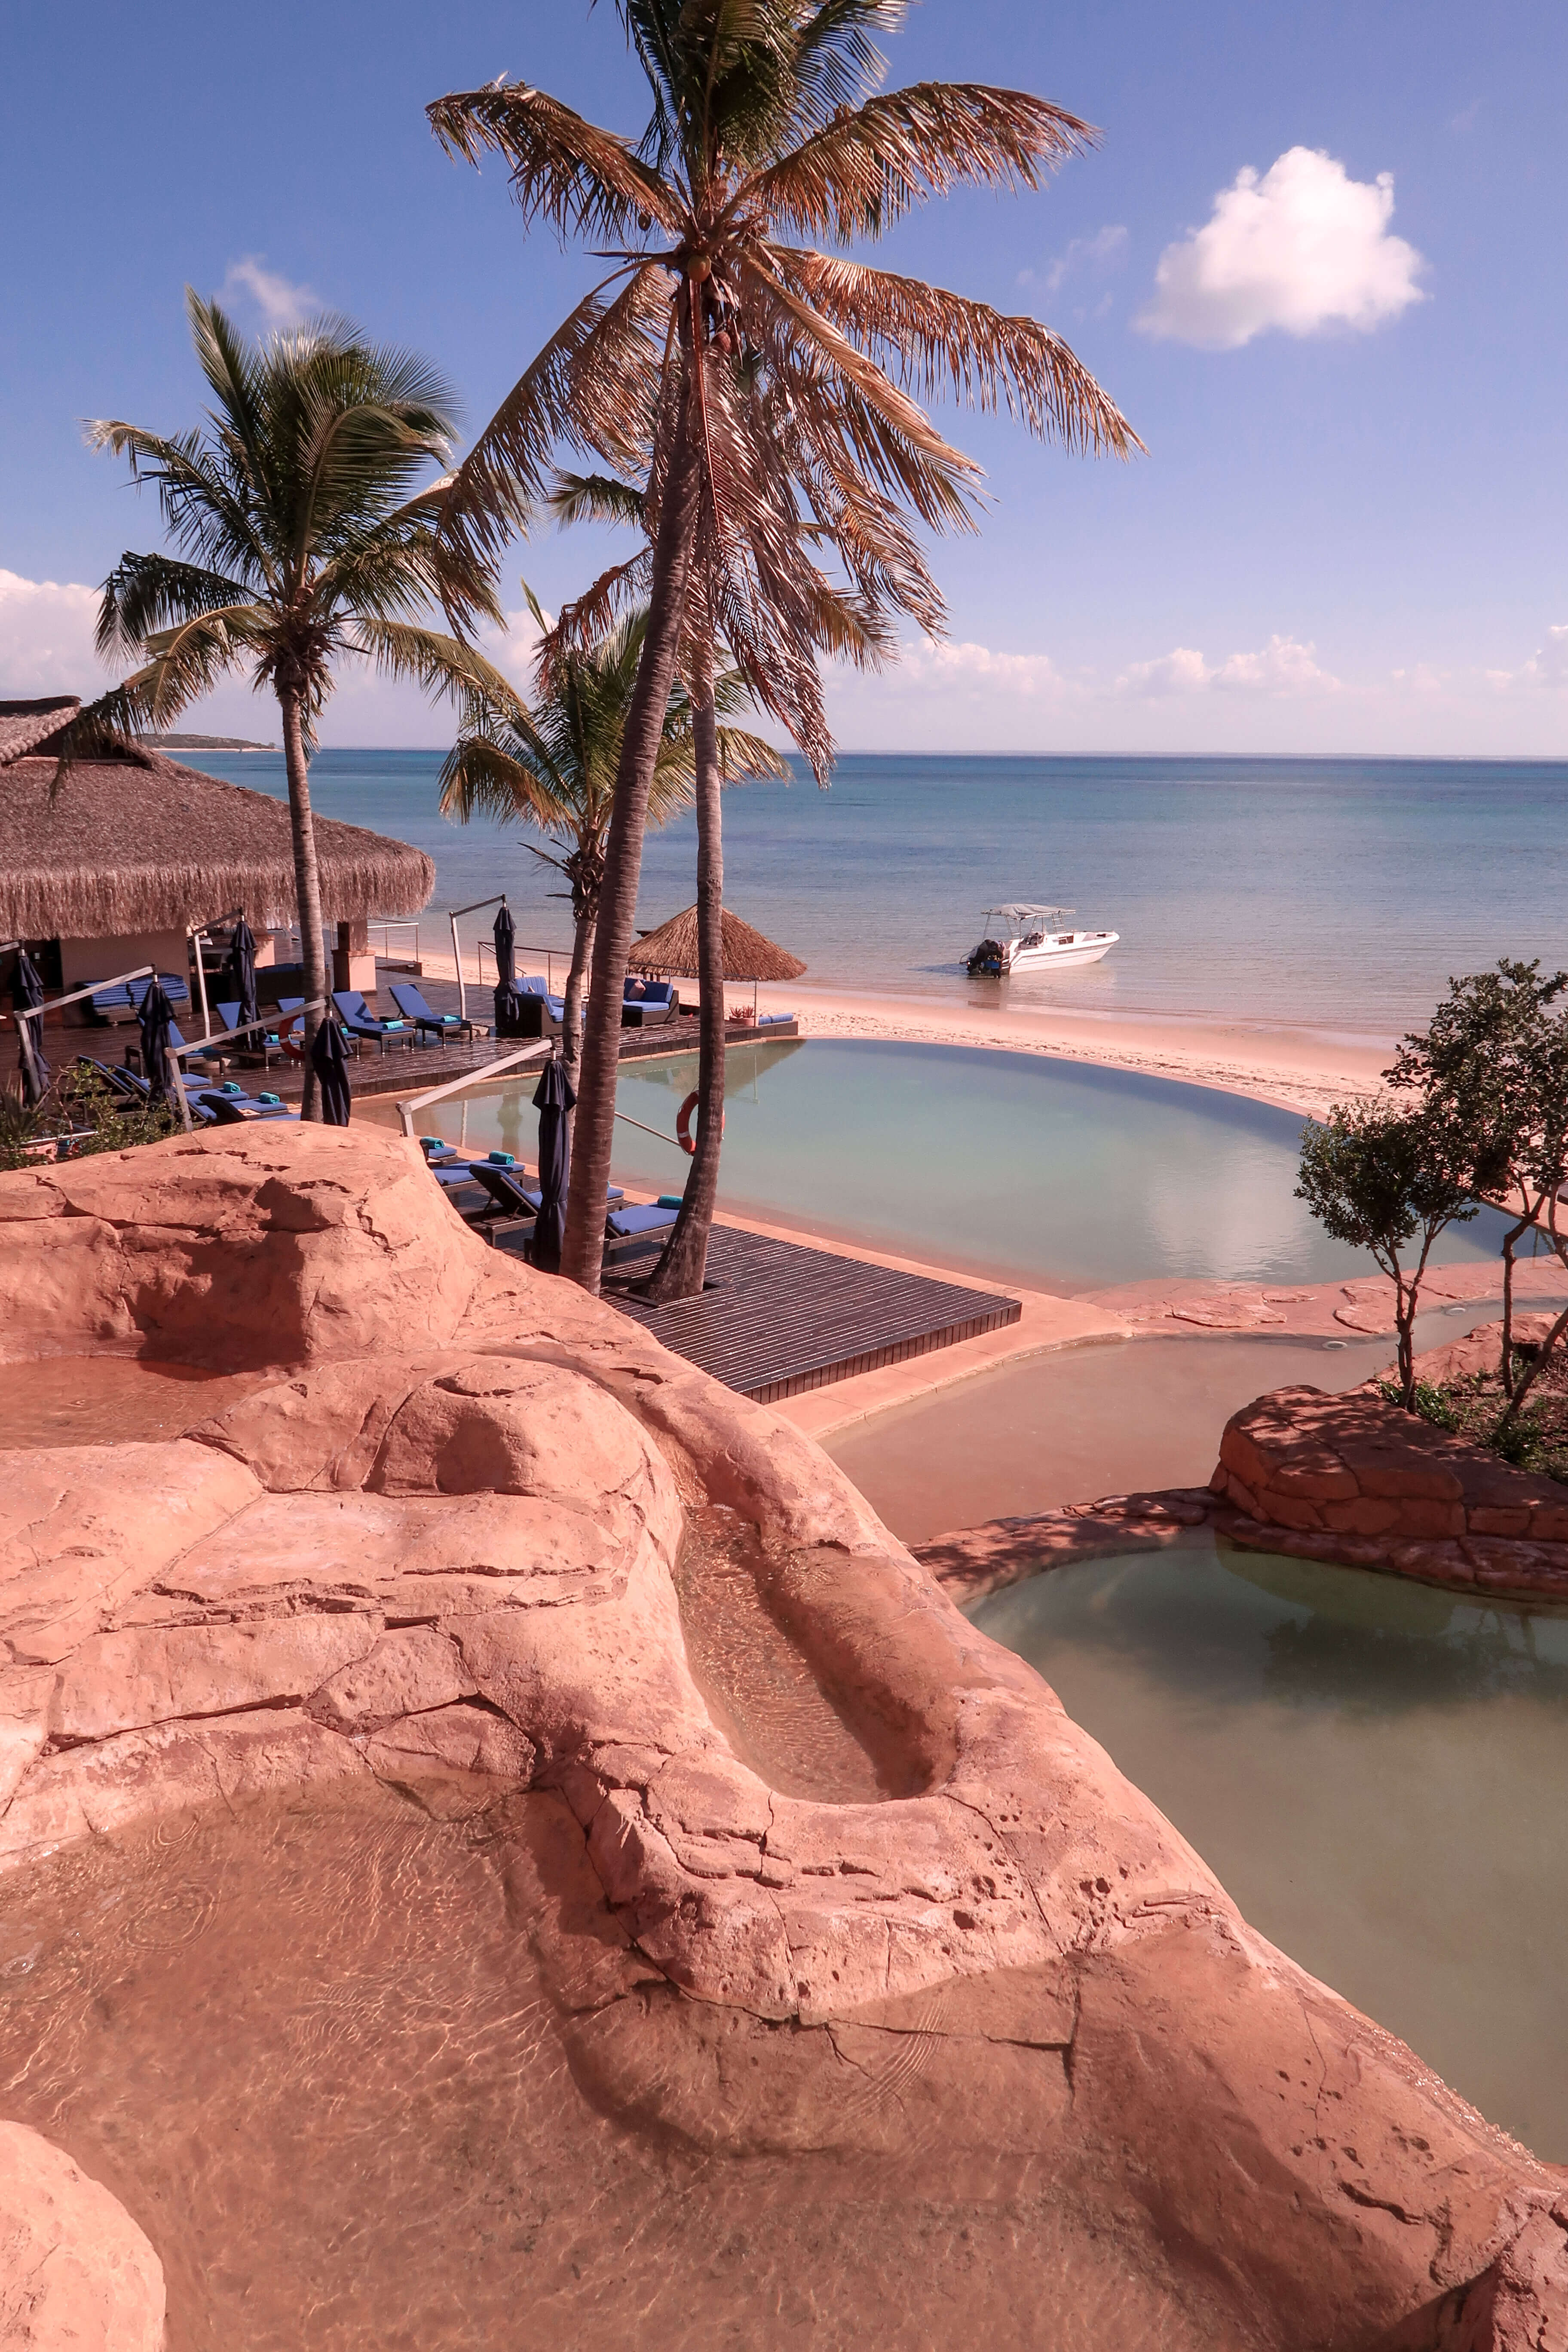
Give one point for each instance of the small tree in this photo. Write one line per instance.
(1380, 1179)
(1542, 1173)
(1492, 1064)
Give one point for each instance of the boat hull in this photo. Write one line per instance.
(1057, 957)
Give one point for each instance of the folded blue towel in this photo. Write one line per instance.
(671, 1201)
(435, 1143)
(270, 1098)
(501, 1159)
(231, 1087)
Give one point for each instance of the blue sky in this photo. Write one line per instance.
(1349, 532)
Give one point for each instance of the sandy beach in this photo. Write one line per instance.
(1297, 1069)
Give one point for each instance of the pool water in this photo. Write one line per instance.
(1051, 1173)
(1377, 1772)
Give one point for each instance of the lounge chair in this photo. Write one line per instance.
(636, 1224)
(645, 1002)
(133, 1092)
(411, 1003)
(175, 989)
(253, 1039)
(230, 1105)
(364, 1026)
(113, 1003)
(772, 1019)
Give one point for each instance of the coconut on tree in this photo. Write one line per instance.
(551, 765)
(769, 393)
(305, 540)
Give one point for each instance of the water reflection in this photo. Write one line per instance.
(1375, 1770)
(1066, 1175)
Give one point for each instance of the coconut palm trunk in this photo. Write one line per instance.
(594, 1132)
(307, 887)
(683, 1266)
(571, 1006)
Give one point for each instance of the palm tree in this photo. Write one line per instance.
(768, 389)
(551, 764)
(305, 541)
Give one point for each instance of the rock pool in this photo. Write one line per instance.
(1377, 1771)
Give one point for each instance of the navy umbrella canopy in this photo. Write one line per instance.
(506, 944)
(552, 1100)
(330, 1064)
(26, 987)
(156, 1014)
(241, 972)
(508, 1010)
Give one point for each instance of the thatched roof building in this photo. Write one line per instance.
(127, 841)
(747, 954)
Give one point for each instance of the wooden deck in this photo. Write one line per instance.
(400, 1070)
(777, 1318)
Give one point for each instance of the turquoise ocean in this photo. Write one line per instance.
(1333, 895)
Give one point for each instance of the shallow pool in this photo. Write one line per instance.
(1053, 1173)
(1376, 1771)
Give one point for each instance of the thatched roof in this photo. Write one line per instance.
(138, 843)
(23, 726)
(747, 955)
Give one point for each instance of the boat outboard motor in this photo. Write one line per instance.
(988, 960)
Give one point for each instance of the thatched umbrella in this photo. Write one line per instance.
(672, 948)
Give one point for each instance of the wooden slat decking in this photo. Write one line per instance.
(778, 1318)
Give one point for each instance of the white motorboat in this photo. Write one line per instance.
(1032, 939)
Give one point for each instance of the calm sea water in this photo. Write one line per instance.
(1336, 894)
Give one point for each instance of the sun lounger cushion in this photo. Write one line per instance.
(622, 1224)
(772, 1020)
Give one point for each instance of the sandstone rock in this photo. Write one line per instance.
(478, 1485)
(76, 2272)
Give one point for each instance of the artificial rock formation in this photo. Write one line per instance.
(444, 1549)
(1355, 1479)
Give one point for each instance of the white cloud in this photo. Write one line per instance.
(1549, 665)
(1106, 250)
(977, 666)
(280, 302)
(1301, 248)
(45, 637)
(1283, 666)
(46, 647)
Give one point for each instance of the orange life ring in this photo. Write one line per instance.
(683, 1126)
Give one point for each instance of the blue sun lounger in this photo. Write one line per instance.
(410, 1003)
(365, 1026)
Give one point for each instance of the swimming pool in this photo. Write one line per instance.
(1376, 1771)
(1053, 1173)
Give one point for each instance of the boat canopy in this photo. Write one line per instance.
(1019, 915)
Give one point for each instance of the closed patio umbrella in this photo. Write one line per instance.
(330, 1064)
(240, 974)
(36, 1071)
(26, 987)
(156, 1014)
(552, 1100)
(27, 995)
(506, 939)
(509, 1011)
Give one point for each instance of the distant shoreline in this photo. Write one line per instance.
(202, 743)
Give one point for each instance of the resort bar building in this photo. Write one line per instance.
(125, 856)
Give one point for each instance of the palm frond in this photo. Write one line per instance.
(595, 498)
(583, 181)
(865, 169)
(940, 342)
(145, 595)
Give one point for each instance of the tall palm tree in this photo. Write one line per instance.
(305, 541)
(551, 765)
(683, 1261)
(768, 388)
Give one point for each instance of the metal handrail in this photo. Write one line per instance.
(410, 1103)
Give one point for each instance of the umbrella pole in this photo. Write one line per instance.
(202, 984)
